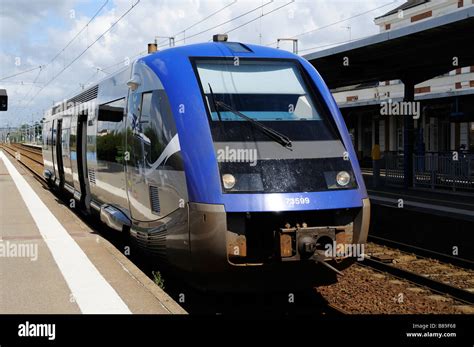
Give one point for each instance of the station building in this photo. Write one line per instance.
(446, 121)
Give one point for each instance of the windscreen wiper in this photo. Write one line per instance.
(273, 134)
(213, 99)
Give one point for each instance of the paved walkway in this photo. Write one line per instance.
(51, 262)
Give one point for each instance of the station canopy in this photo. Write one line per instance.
(417, 52)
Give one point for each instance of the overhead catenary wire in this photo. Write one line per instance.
(122, 61)
(23, 83)
(162, 43)
(43, 67)
(227, 21)
(33, 84)
(181, 40)
(21, 73)
(85, 50)
(76, 91)
(30, 89)
(260, 16)
(84, 85)
(335, 23)
(201, 21)
(80, 31)
(207, 17)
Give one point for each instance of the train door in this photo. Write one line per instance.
(73, 154)
(53, 148)
(141, 191)
(66, 152)
(47, 149)
(59, 157)
(136, 145)
(156, 184)
(81, 137)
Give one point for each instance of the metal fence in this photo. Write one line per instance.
(433, 170)
(393, 168)
(444, 170)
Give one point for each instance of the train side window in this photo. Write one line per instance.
(110, 115)
(109, 140)
(53, 141)
(48, 140)
(112, 111)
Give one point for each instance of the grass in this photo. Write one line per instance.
(158, 279)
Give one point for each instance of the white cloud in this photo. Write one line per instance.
(36, 30)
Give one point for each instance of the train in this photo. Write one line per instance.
(229, 163)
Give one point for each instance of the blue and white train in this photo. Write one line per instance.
(227, 161)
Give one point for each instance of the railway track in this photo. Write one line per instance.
(31, 159)
(457, 261)
(373, 270)
(437, 286)
(444, 278)
(430, 282)
(34, 152)
(366, 290)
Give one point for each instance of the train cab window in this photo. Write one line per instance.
(156, 124)
(145, 111)
(145, 127)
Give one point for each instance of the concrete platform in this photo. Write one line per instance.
(52, 262)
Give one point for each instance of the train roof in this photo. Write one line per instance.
(207, 49)
(216, 49)
(224, 49)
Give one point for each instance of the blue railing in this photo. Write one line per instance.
(453, 170)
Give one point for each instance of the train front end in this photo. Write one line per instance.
(275, 191)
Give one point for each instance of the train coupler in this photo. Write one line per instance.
(303, 242)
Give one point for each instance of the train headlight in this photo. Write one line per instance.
(343, 178)
(228, 180)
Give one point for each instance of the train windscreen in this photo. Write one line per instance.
(270, 128)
